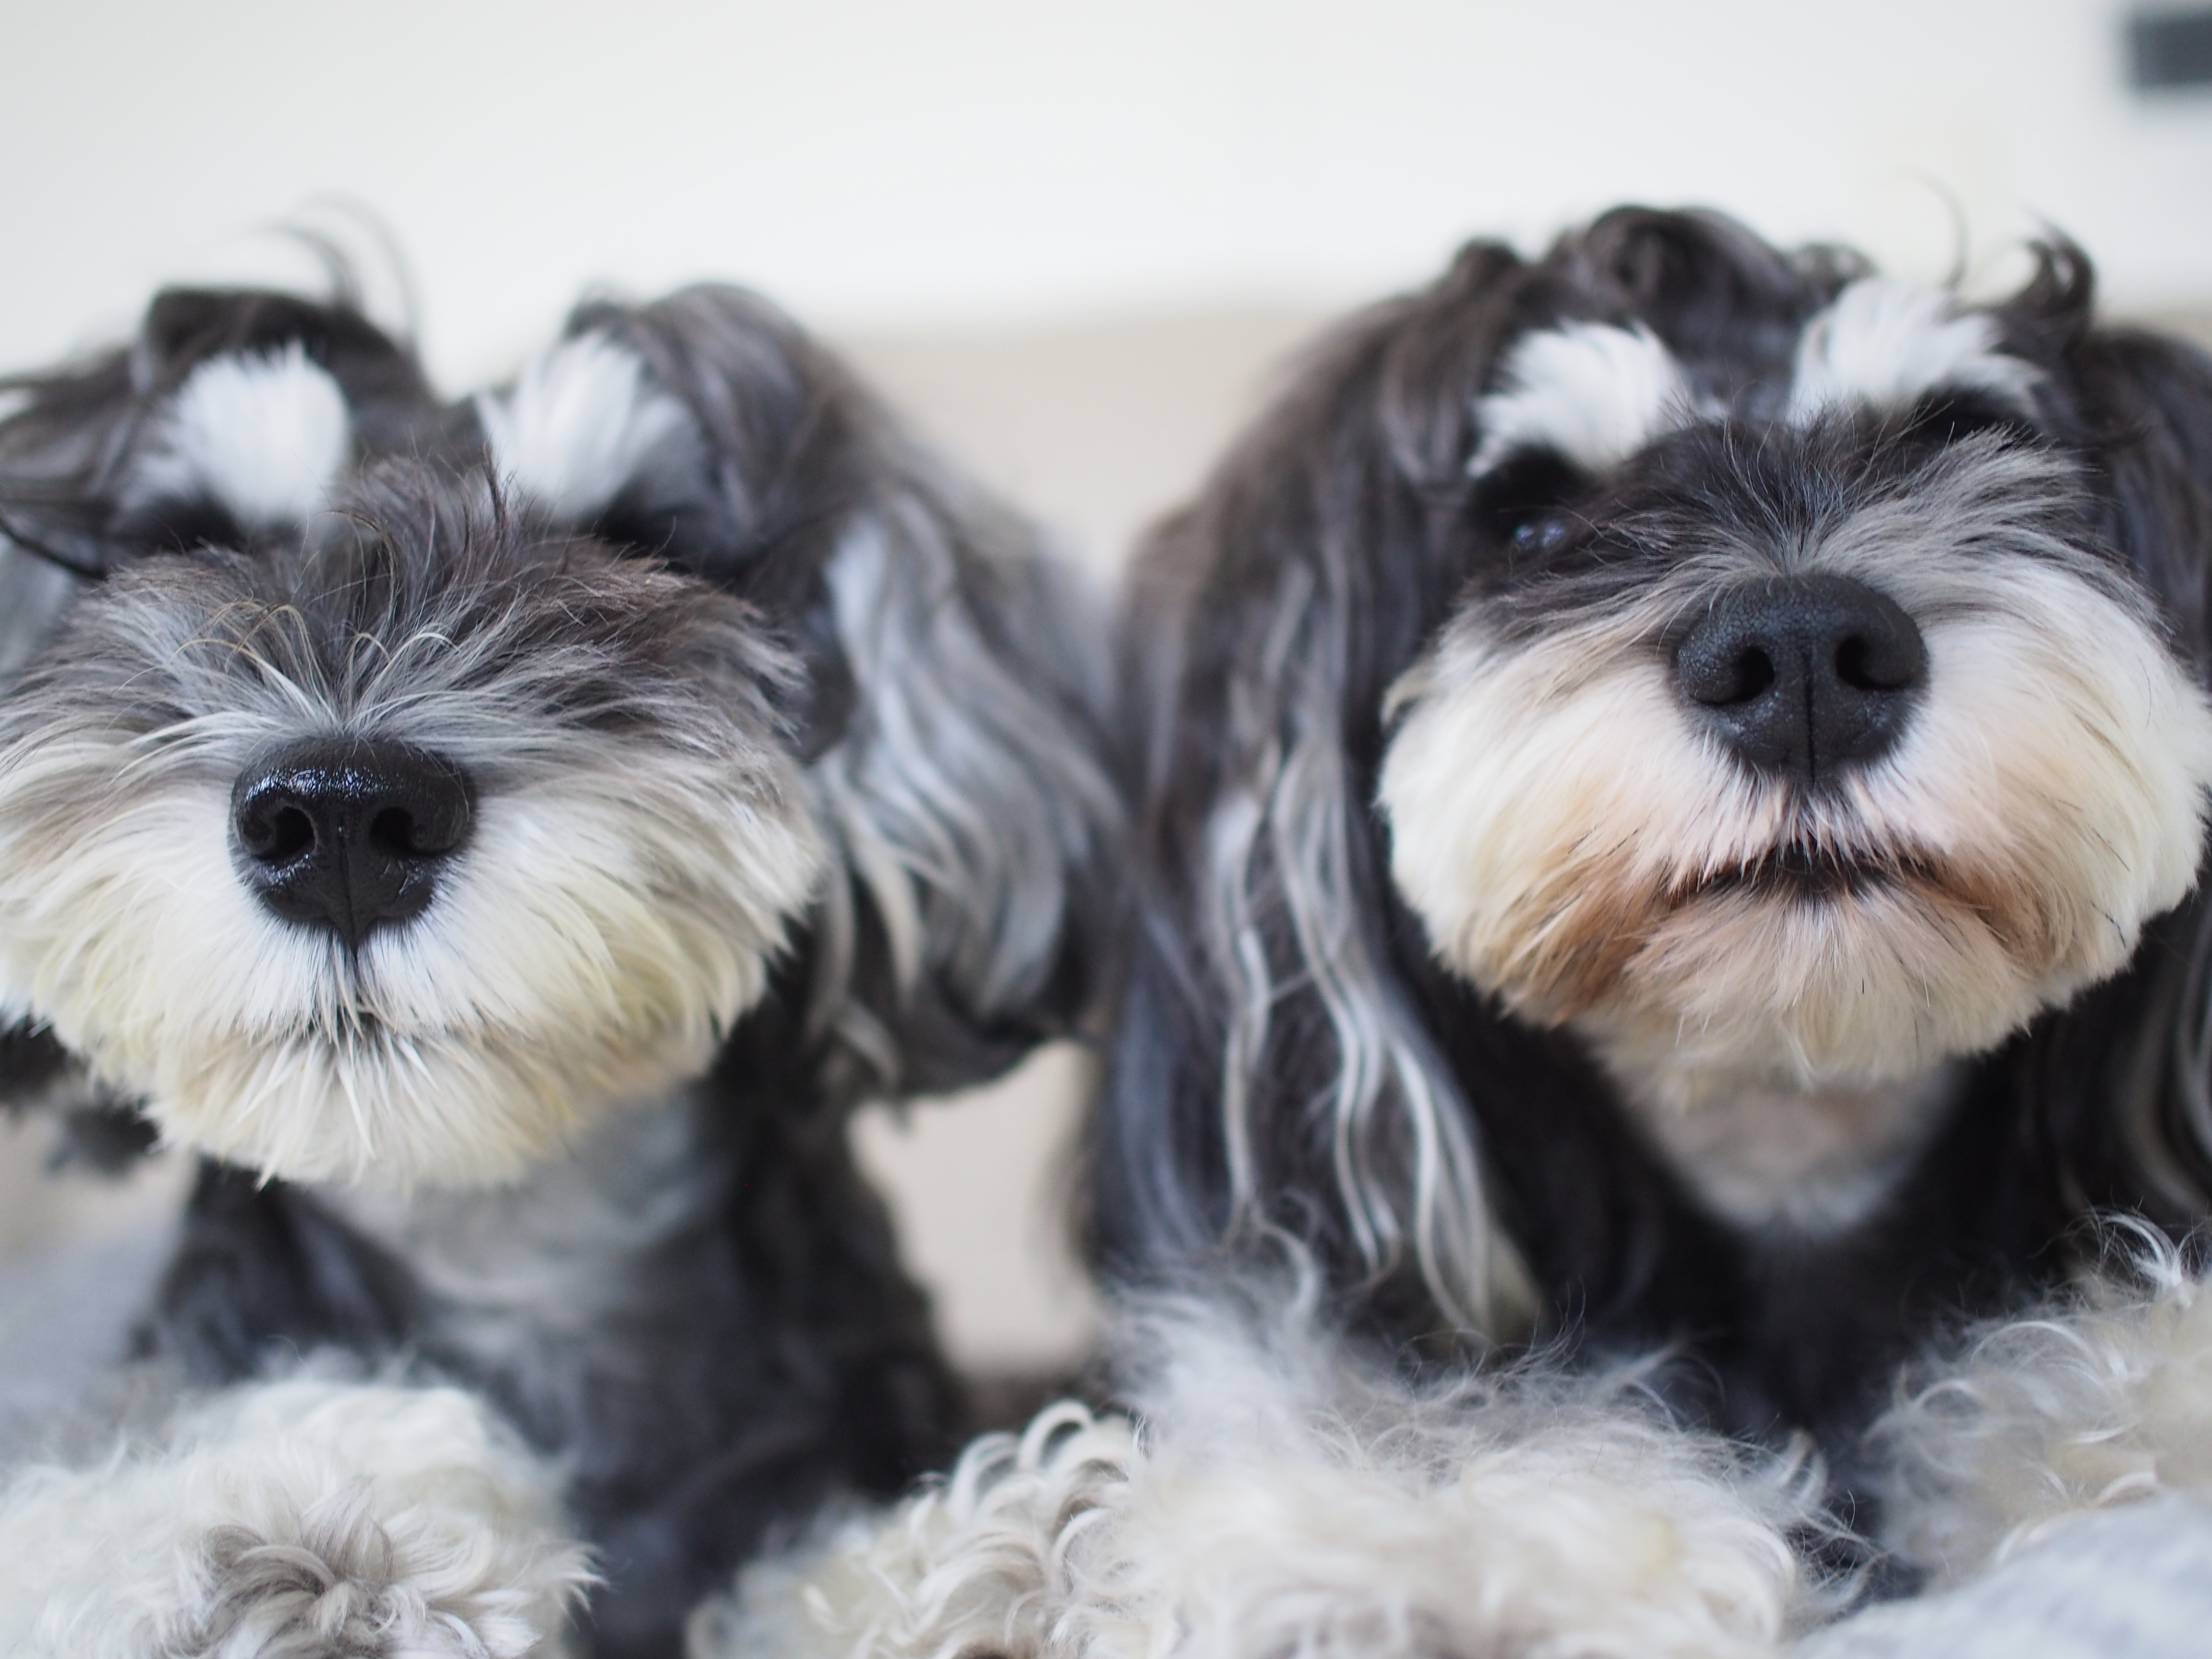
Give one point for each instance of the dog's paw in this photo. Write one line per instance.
(1284, 1497)
(294, 1520)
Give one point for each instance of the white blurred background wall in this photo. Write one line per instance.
(885, 163)
(1072, 239)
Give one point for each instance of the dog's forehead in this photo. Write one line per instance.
(1596, 393)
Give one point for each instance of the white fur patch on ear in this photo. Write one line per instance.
(1885, 341)
(578, 425)
(1593, 392)
(265, 435)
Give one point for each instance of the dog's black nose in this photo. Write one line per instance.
(1804, 676)
(346, 833)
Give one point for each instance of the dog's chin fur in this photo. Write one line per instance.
(1575, 844)
(563, 975)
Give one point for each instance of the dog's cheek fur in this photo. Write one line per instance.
(301, 1517)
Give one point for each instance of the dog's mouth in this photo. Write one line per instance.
(1802, 872)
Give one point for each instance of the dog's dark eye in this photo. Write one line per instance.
(1945, 417)
(686, 535)
(1524, 500)
(181, 527)
(1539, 534)
(205, 526)
(650, 532)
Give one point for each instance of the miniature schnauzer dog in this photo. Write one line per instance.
(1671, 779)
(505, 839)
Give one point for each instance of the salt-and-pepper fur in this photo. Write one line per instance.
(1469, 955)
(1466, 955)
(782, 750)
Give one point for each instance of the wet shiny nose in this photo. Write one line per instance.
(347, 834)
(1804, 677)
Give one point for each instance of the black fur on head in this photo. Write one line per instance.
(1499, 911)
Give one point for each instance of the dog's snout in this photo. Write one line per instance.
(347, 834)
(1804, 677)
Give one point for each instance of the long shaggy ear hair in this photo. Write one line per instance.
(1266, 1057)
(951, 714)
(2120, 1084)
(1287, 1053)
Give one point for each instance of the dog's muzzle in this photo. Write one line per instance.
(348, 834)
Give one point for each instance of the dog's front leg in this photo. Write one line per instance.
(304, 1517)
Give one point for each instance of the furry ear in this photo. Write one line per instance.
(2123, 1078)
(228, 418)
(1271, 1069)
(951, 715)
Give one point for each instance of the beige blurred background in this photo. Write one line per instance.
(1074, 243)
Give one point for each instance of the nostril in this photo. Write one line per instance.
(1803, 676)
(1879, 664)
(275, 832)
(405, 832)
(1755, 672)
(392, 831)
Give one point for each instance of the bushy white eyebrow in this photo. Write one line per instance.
(1592, 393)
(1885, 342)
(266, 435)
